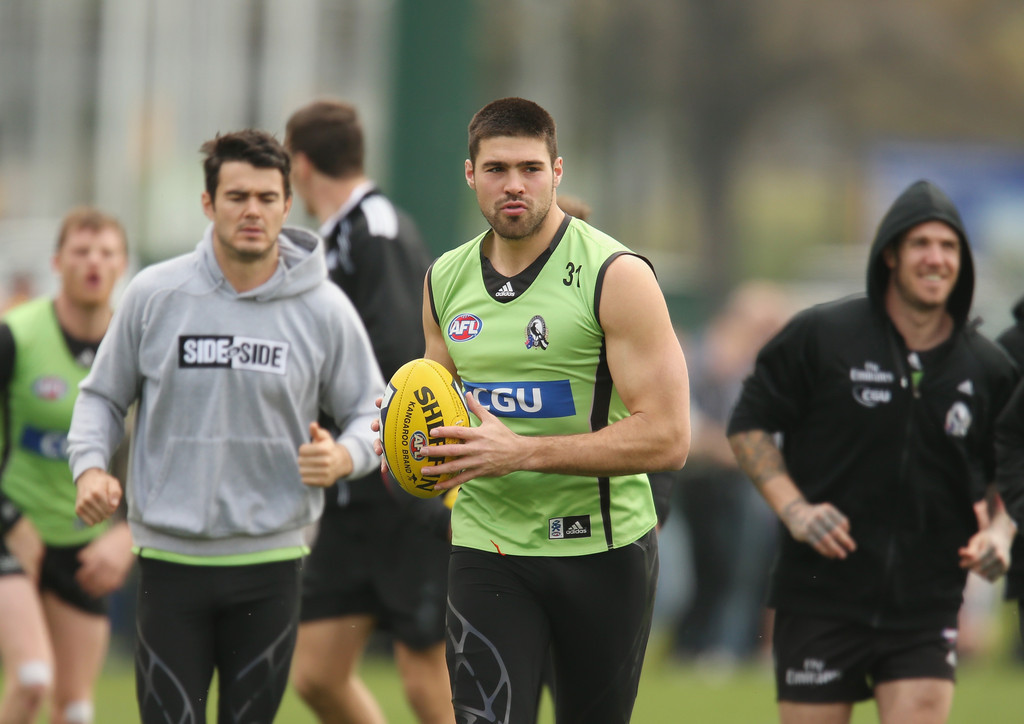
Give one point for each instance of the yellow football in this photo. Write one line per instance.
(420, 396)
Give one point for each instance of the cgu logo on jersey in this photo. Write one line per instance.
(464, 327)
(236, 353)
(49, 388)
(551, 398)
(49, 444)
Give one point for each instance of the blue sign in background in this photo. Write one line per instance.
(985, 182)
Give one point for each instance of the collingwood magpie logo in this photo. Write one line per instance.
(958, 420)
(229, 352)
(537, 333)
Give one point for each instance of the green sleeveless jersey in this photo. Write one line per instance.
(41, 396)
(537, 360)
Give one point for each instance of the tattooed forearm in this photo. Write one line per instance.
(789, 513)
(758, 455)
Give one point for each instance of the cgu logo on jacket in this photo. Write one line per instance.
(867, 391)
(230, 352)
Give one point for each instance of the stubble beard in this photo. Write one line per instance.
(518, 227)
(919, 304)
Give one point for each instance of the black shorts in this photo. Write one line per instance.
(378, 560)
(57, 575)
(240, 620)
(592, 612)
(826, 661)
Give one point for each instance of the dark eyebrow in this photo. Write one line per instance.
(495, 164)
(248, 192)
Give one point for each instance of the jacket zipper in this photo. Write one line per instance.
(906, 382)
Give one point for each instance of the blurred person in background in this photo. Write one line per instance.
(21, 289)
(886, 404)
(380, 559)
(1011, 445)
(574, 206)
(55, 573)
(731, 531)
(232, 351)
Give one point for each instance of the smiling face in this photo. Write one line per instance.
(515, 181)
(89, 262)
(248, 212)
(924, 266)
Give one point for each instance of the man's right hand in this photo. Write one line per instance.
(820, 526)
(99, 494)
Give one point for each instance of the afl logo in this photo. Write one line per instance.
(49, 388)
(417, 442)
(464, 327)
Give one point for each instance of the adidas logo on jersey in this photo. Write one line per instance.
(572, 526)
(506, 290)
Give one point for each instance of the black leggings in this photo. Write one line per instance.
(593, 612)
(239, 620)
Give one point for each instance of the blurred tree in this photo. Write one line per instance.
(431, 108)
(719, 67)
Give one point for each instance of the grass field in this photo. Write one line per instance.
(669, 694)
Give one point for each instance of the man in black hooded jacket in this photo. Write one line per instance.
(886, 405)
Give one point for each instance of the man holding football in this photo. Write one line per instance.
(580, 387)
(886, 404)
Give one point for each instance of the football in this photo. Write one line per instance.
(420, 396)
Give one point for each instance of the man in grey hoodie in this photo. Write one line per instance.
(231, 351)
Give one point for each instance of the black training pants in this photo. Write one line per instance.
(240, 620)
(592, 612)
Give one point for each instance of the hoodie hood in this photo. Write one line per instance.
(921, 201)
(300, 267)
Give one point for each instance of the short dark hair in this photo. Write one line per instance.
(515, 117)
(90, 219)
(329, 133)
(254, 147)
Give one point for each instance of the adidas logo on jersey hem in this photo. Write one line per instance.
(506, 290)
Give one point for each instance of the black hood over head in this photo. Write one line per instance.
(921, 201)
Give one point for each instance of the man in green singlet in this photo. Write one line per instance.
(53, 638)
(563, 344)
